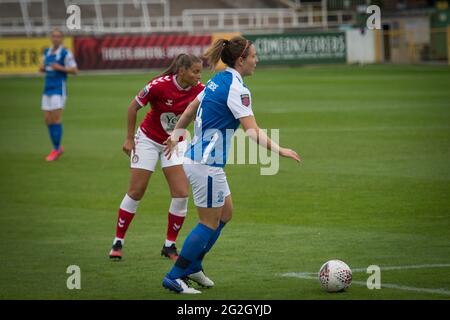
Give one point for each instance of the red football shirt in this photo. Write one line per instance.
(168, 101)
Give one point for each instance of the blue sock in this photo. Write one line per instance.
(193, 247)
(51, 132)
(197, 265)
(55, 130)
(58, 135)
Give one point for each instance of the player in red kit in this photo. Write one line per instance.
(168, 94)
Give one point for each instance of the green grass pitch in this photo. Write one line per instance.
(374, 189)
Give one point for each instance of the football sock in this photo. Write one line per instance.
(193, 247)
(177, 213)
(118, 239)
(197, 265)
(168, 243)
(126, 214)
(55, 130)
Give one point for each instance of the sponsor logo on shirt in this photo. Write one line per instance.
(169, 121)
(212, 85)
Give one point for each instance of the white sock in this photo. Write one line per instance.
(128, 204)
(178, 206)
(117, 239)
(169, 243)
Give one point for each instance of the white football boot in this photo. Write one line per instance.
(179, 286)
(201, 279)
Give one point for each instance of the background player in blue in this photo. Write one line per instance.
(57, 62)
(223, 105)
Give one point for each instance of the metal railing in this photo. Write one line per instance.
(251, 20)
(255, 20)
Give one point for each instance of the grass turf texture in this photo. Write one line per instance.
(374, 189)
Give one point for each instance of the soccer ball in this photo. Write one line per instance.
(335, 276)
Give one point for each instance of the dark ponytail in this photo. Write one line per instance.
(182, 60)
(228, 51)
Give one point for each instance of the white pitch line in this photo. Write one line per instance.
(383, 285)
(313, 276)
(417, 266)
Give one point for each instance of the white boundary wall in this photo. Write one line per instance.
(360, 47)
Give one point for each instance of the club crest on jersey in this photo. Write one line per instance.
(245, 99)
(169, 102)
(220, 197)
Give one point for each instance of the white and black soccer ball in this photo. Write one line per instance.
(335, 276)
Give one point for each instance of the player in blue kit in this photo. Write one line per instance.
(225, 104)
(57, 63)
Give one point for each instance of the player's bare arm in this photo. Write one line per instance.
(70, 70)
(186, 118)
(129, 145)
(42, 64)
(251, 128)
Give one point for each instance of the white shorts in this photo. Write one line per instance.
(53, 102)
(209, 184)
(148, 152)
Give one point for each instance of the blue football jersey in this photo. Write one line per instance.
(224, 100)
(55, 81)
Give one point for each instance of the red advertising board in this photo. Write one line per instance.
(135, 51)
